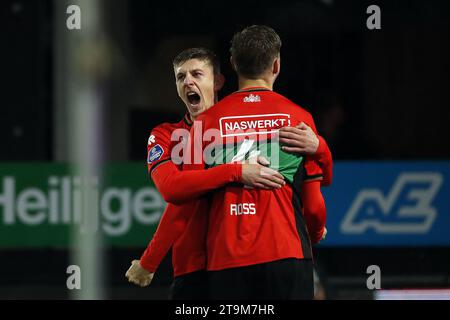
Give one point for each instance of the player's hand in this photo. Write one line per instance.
(256, 174)
(324, 234)
(138, 275)
(300, 139)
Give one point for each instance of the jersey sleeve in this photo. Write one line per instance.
(314, 210)
(325, 160)
(178, 186)
(313, 171)
(171, 226)
(158, 148)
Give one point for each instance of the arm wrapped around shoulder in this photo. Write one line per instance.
(178, 186)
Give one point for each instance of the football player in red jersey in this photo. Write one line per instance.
(259, 241)
(198, 80)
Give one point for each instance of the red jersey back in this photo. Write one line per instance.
(251, 226)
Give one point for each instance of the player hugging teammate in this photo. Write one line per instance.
(245, 204)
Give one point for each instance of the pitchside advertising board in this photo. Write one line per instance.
(40, 202)
(389, 203)
(369, 204)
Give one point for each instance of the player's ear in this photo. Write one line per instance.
(219, 81)
(232, 64)
(276, 67)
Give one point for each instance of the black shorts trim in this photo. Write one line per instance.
(191, 286)
(287, 279)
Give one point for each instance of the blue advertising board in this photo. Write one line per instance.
(388, 204)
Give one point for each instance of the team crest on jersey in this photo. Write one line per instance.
(155, 154)
(253, 124)
(151, 140)
(252, 98)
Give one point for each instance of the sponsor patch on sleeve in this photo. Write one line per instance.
(155, 154)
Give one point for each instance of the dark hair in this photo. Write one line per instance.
(254, 49)
(201, 54)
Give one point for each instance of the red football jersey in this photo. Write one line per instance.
(182, 227)
(251, 226)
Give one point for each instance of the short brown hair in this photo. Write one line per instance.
(254, 49)
(201, 54)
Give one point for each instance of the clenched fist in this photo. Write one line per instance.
(138, 275)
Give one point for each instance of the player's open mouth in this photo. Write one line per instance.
(193, 98)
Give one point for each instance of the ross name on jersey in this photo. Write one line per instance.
(238, 209)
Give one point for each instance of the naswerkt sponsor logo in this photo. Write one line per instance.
(266, 123)
(245, 132)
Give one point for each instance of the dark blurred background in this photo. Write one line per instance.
(375, 95)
